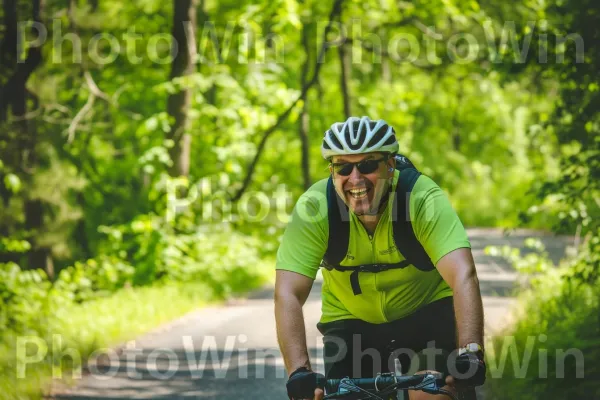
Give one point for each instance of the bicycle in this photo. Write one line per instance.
(384, 386)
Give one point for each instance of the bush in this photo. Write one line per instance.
(556, 335)
(23, 298)
(147, 271)
(218, 254)
(95, 303)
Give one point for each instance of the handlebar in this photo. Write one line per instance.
(383, 381)
(385, 384)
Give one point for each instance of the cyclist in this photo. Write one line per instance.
(434, 316)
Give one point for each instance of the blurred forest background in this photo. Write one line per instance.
(151, 151)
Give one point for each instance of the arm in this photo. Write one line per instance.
(298, 257)
(302, 247)
(291, 292)
(458, 270)
(440, 231)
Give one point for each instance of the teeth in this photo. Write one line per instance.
(358, 193)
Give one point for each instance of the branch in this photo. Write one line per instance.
(335, 11)
(27, 116)
(94, 88)
(79, 117)
(59, 107)
(428, 31)
(95, 92)
(400, 23)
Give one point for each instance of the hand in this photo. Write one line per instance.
(305, 384)
(470, 369)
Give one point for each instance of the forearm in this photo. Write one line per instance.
(291, 333)
(468, 309)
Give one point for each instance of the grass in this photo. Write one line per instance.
(100, 323)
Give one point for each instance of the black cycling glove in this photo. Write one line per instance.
(303, 382)
(471, 369)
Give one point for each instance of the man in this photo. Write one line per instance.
(420, 311)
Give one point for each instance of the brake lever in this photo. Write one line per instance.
(347, 386)
(428, 385)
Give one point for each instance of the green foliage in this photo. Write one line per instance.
(11, 245)
(476, 134)
(585, 267)
(536, 260)
(556, 337)
(94, 278)
(23, 298)
(216, 255)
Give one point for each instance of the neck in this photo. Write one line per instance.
(370, 221)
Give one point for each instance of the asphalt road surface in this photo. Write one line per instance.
(231, 352)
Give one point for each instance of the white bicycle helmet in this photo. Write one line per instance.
(357, 136)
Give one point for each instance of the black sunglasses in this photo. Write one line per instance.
(364, 167)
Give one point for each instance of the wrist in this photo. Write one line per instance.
(302, 368)
(471, 348)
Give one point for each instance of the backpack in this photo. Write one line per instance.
(404, 237)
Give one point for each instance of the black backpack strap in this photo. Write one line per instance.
(339, 228)
(404, 236)
(402, 162)
(374, 268)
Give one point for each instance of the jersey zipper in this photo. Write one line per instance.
(380, 293)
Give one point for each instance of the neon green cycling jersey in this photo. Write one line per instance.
(387, 295)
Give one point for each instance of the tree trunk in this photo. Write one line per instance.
(184, 24)
(346, 68)
(39, 256)
(25, 157)
(81, 230)
(304, 121)
(456, 124)
(8, 45)
(8, 54)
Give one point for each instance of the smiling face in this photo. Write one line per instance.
(362, 192)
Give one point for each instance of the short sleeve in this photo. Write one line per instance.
(435, 222)
(305, 238)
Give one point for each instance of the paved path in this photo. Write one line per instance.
(231, 352)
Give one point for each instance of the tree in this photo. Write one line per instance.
(178, 104)
(22, 130)
(304, 120)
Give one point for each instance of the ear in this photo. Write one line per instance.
(391, 166)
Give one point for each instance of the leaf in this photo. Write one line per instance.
(12, 183)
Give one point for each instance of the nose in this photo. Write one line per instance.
(355, 175)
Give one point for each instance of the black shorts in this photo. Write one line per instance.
(420, 341)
